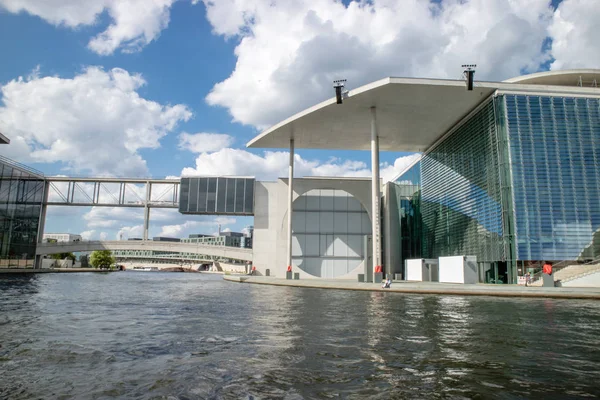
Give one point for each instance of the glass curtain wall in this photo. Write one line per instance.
(407, 199)
(21, 196)
(555, 159)
(457, 206)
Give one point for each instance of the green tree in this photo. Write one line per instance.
(102, 259)
(62, 256)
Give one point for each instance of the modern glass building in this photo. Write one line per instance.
(515, 183)
(21, 197)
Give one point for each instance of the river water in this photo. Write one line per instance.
(192, 336)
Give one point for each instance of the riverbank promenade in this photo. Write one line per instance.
(49, 270)
(427, 287)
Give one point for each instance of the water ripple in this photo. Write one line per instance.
(180, 336)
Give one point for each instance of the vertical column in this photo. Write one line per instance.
(147, 209)
(375, 193)
(290, 200)
(42, 222)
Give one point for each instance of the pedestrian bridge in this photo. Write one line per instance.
(234, 253)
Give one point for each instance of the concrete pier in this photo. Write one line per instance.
(428, 288)
(49, 270)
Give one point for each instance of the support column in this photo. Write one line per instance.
(290, 201)
(147, 209)
(375, 194)
(42, 223)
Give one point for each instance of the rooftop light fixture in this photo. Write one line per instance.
(469, 74)
(338, 86)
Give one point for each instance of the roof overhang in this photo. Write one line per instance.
(4, 139)
(412, 114)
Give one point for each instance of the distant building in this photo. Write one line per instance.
(165, 239)
(61, 237)
(246, 242)
(230, 239)
(135, 239)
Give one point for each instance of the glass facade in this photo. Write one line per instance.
(406, 193)
(21, 197)
(555, 159)
(518, 182)
(217, 195)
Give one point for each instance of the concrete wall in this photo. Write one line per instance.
(270, 220)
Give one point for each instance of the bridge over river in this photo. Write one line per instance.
(234, 253)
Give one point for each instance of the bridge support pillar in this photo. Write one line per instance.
(375, 194)
(42, 223)
(147, 209)
(290, 201)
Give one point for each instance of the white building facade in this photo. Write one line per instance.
(61, 237)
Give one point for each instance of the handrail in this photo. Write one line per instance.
(557, 267)
(22, 167)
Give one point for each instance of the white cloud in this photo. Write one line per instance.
(126, 232)
(575, 31)
(275, 164)
(95, 122)
(112, 217)
(308, 44)
(134, 23)
(103, 235)
(204, 142)
(184, 229)
(88, 235)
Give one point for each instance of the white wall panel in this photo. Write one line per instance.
(340, 222)
(354, 223)
(340, 246)
(326, 222)
(365, 223)
(340, 201)
(326, 199)
(323, 244)
(312, 245)
(312, 222)
(340, 267)
(355, 245)
(299, 203)
(298, 221)
(312, 200)
(298, 243)
(354, 204)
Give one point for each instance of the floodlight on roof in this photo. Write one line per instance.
(469, 73)
(338, 86)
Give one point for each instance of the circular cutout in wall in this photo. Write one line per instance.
(329, 227)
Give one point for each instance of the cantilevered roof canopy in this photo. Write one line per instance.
(412, 114)
(4, 139)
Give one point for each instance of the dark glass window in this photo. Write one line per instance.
(221, 194)
(230, 202)
(249, 197)
(211, 195)
(239, 195)
(202, 195)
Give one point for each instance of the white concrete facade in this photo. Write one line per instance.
(271, 221)
(62, 237)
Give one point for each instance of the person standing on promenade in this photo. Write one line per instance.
(547, 274)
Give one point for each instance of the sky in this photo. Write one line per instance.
(165, 88)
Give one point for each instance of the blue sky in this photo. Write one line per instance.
(114, 87)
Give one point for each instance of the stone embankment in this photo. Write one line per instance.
(429, 288)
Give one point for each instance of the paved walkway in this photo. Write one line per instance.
(48, 270)
(428, 287)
